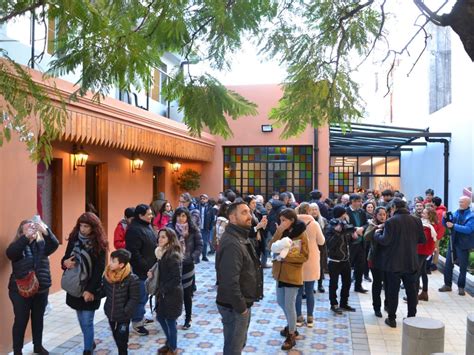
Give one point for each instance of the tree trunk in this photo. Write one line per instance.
(461, 20)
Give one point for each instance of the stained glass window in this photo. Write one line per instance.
(262, 170)
(341, 180)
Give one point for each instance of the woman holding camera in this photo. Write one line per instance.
(30, 280)
(374, 259)
(288, 272)
(338, 235)
(87, 236)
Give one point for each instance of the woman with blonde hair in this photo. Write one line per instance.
(311, 268)
(30, 281)
(323, 260)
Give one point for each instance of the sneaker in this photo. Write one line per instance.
(299, 321)
(321, 288)
(367, 278)
(204, 258)
(141, 330)
(310, 322)
(186, 325)
(461, 292)
(378, 313)
(392, 323)
(347, 308)
(336, 309)
(445, 288)
(284, 332)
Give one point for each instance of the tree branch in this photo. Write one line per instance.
(22, 11)
(432, 16)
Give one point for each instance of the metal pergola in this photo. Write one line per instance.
(370, 139)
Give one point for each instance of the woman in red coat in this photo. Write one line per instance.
(429, 220)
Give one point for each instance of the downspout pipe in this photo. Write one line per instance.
(316, 159)
(446, 165)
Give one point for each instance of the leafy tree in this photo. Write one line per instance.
(115, 43)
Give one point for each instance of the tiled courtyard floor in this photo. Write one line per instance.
(352, 333)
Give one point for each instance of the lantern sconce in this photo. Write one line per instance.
(176, 166)
(79, 157)
(136, 162)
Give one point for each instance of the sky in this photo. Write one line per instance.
(248, 68)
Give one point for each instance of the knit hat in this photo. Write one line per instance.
(338, 211)
(129, 212)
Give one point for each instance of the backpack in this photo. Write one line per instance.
(74, 280)
(151, 285)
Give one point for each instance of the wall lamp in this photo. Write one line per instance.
(266, 128)
(137, 162)
(79, 157)
(176, 166)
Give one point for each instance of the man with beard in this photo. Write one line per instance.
(240, 278)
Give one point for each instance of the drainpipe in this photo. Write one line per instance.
(316, 159)
(446, 165)
(32, 34)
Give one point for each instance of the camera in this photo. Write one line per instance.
(449, 217)
(346, 227)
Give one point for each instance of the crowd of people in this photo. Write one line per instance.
(362, 236)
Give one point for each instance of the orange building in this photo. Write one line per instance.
(114, 132)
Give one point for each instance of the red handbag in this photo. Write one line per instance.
(28, 286)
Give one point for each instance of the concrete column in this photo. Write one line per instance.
(422, 336)
(470, 334)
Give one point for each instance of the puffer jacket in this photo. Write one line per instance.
(170, 288)
(122, 298)
(240, 274)
(140, 240)
(26, 256)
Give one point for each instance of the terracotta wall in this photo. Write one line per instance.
(17, 202)
(247, 131)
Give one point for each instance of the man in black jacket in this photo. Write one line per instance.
(402, 233)
(140, 241)
(240, 278)
(358, 219)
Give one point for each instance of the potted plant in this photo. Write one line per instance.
(189, 180)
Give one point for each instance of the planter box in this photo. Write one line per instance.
(469, 278)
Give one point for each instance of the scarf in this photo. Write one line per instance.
(114, 276)
(168, 214)
(182, 229)
(85, 241)
(159, 252)
(427, 224)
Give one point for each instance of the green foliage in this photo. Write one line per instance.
(189, 180)
(117, 43)
(25, 100)
(318, 43)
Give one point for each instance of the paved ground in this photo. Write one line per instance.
(354, 333)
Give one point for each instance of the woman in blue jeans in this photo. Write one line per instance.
(311, 269)
(169, 298)
(288, 271)
(88, 235)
